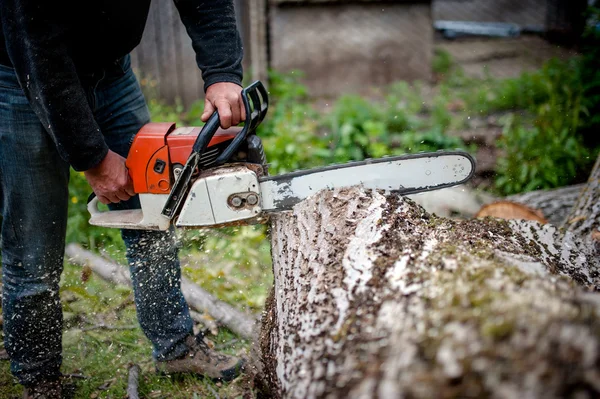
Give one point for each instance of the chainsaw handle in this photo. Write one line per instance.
(92, 205)
(256, 103)
(206, 133)
(256, 108)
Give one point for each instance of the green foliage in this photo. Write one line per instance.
(551, 153)
(440, 115)
(232, 263)
(78, 228)
(538, 158)
(161, 112)
(102, 337)
(431, 140)
(296, 135)
(356, 130)
(289, 130)
(544, 147)
(404, 99)
(590, 76)
(442, 61)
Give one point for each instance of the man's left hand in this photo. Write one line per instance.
(227, 99)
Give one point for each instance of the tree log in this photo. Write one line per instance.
(464, 202)
(375, 297)
(584, 219)
(554, 204)
(237, 321)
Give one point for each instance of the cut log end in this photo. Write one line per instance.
(510, 210)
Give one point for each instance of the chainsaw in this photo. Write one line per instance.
(196, 177)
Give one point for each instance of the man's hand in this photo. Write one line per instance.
(227, 99)
(110, 179)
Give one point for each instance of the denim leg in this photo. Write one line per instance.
(162, 310)
(33, 203)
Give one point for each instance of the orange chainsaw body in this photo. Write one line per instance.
(157, 147)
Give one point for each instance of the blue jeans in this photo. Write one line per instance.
(33, 204)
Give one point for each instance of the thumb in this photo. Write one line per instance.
(209, 109)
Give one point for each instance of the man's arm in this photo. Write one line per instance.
(34, 33)
(212, 27)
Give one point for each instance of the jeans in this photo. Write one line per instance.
(33, 204)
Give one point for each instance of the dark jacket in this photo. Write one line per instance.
(52, 44)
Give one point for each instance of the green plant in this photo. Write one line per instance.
(550, 153)
(162, 112)
(289, 131)
(442, 62)
(78, 228)
(590, 76)
(357, 129)
(536, 158)
(431, 140)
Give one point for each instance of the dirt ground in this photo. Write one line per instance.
(503, 57)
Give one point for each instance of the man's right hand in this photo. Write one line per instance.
(110, 179)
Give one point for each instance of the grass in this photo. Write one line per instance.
(103, 355)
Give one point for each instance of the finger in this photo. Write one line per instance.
(224, 113)
(130, 191)
(209, 109)
(113, 198)
(122, 195)
(129, 187)
(242, 108)
(103, 199)
(236, 114)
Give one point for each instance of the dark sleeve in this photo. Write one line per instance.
(35, 35)
(215, 39)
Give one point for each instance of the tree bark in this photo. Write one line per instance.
(374, 297)
(554, 204)
(584, 219)
(237, 321)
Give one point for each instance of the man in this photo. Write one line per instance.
(68, 98)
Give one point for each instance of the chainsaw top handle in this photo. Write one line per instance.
(256, 103)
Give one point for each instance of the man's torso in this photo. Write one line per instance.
(97, 33)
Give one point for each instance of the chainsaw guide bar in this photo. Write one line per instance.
(403, 174)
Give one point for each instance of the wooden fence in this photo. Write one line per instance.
(165, 61)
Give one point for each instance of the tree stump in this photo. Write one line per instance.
(374, 297)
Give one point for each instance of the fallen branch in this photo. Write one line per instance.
(198, 299)
(212, 390)
(108, 327)
(206, 321)
(132, 381)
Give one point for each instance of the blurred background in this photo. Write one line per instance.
(515, 83)
(395, 76)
